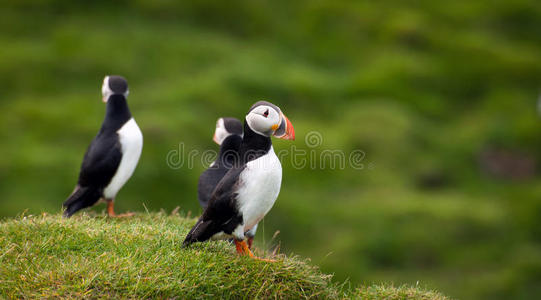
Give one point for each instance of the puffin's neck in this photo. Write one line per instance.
(117, 113)
(229, 150)
(254, 145)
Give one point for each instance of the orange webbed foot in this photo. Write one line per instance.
(243, 249)
(111, 211)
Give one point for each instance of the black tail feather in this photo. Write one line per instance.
(81, 198)
(200, 232)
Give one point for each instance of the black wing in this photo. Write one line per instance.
(208, 181)
(221, 213)
(101, 160)
(81, 197)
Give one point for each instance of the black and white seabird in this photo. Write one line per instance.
(112, 156)
(249, 189)
(228, 135)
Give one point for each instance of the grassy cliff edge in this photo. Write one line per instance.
(47, 256)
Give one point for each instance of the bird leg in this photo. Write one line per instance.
(238, 245)
(242, 249)
(111, 211)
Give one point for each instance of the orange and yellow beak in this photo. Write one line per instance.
(285, 130)
(215, 139)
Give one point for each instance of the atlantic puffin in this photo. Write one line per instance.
(112, 156)
(249, 189)
(228, 135)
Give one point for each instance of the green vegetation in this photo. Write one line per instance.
(47, 256)
(439, 95)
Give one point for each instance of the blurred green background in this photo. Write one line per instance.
(440, 96)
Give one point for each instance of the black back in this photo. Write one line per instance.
(103, 156)
(227, 158)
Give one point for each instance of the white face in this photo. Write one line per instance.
(264, 120)
(105, 90)
(221, 133)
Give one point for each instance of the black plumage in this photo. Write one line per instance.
(227, 157)
(221, 214)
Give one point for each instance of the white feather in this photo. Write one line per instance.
(220, 133)
(252, 231)
(260, 186)
(131, 141)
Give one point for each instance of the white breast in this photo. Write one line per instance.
(131, 141)
(260, 186)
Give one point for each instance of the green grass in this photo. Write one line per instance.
(46, 256)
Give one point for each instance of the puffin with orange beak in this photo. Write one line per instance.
(249, 189)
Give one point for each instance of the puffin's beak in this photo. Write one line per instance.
(215, 139)
(285, 131)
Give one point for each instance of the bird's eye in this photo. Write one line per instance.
(266, 113)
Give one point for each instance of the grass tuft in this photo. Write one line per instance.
(94, 256)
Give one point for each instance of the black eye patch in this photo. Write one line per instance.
(266, 113)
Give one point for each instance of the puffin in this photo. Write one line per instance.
(249, 189)
(112, 156)
(228, 135)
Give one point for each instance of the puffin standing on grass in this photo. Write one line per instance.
(249, 189)
(228, 135)
(112, 156)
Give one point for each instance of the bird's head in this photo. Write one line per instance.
(114, 85)
(226, 127)
(267, 119)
